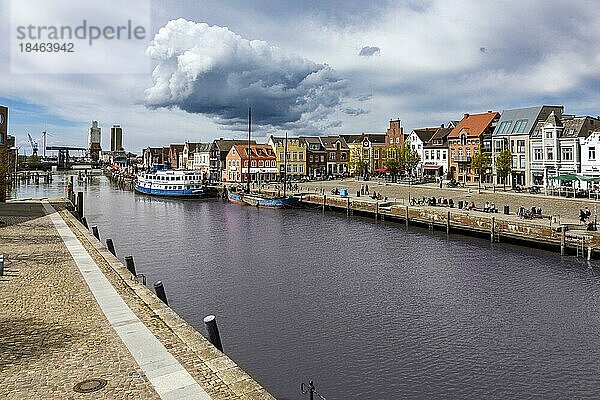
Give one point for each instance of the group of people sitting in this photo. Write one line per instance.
(432, 201)
(490, 207)
(528, 213)
(377, 196)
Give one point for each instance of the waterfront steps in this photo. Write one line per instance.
(70, 312)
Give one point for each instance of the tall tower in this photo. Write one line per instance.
(116, 138)
(94, 137)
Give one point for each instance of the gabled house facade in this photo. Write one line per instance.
(316, 156)
(296, 156)
(263, 164)
(435, 153)
(417, 139)
(201, 159)
(395, 134)
(367, 149)
(555, 145)
(338, 154)
(513, 133)
(472, 135)
(218, 156)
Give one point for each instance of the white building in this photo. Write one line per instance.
(590, 155)
(201, 159)
(418, 139)
(435, 153)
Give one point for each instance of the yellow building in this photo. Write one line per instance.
(296, 156)
(367, 153)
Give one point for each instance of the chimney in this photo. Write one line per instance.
(466, 115)
(442, 126)
(490, 111)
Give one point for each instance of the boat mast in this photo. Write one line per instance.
(249, 149)
(285, 165)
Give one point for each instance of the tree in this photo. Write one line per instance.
(392, 161)
(480, 164)
(409, 158)
(504, 165)
(359, 162)
(6, 166)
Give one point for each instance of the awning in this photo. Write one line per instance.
(565, 177)
(432, 166)
(384, 169)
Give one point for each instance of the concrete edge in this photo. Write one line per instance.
(241, 383)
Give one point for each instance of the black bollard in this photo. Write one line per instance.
(160, 291)
(111, 247)
(506, 209)
(1, 265)
(84, 222)
(95, 232)
(130, 264)
(80, 205)
(213, 332)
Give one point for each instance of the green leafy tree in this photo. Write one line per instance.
(4, 174)
(359, 162)
(480, 164)
(409, 158)
(504, 165)
(392, 162)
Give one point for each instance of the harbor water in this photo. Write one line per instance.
(366, 310)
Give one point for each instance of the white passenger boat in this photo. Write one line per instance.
(170, 183)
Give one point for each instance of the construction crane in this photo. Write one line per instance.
(34, 145)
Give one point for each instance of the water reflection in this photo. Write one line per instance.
(369, 311)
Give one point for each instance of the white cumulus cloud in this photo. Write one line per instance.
(213, 71)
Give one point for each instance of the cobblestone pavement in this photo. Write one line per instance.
(567, 209)
(54, 335)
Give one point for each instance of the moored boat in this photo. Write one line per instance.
(170, 183)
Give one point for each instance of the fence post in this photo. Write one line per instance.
(95, 232)
(130, 264)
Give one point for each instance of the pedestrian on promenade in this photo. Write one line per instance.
(441, 181)
(367, 189)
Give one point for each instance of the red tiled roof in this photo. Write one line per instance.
(265, 149)
(474, 124)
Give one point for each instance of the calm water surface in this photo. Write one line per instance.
(367, 311)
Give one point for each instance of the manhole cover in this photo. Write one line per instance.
(90, 385)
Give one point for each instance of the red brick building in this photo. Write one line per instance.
(394, 134)
(472, 135)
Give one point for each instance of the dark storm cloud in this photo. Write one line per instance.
(212, 71)
(355, 111)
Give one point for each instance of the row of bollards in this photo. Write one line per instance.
(210, 321)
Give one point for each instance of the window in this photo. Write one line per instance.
(294, 156)
(514, 161)
(592, 153)
(567, 153)
(498, 146)
(520, 146)
(443, 155)
(343, 156)
(261, 163)
(295, 168)
(254, 163)
(504, 127)
(427, 154)
(377, 154)
(301, 156)
(548, 134)
(437, 154)
(468, 152)
(332, 156)
(398, 139)
(246, 164)
(549, 153)
(322, 158)
(281, 155)
(272, 163)
(522, 162)
(301, 169)
(520, 126)
(463, 139)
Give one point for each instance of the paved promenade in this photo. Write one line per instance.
(70, 312)
(567, 209)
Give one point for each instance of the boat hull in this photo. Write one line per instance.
(183, 193)
(235, 198)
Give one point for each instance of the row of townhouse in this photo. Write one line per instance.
(543, 141)
(307, 156)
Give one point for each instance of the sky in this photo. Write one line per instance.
(310, 68)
